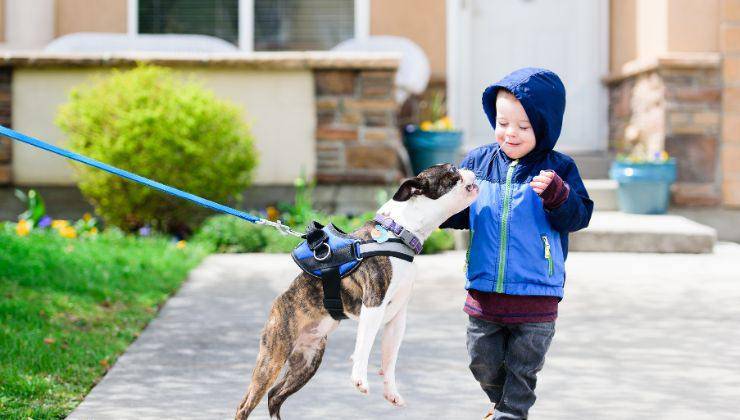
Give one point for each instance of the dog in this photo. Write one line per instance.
(376, 294)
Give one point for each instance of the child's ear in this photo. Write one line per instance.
(409, 188)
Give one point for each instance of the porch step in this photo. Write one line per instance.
(592, 164)
(603, 192)
(611, 231)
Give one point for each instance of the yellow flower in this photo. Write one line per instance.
(446, 123)
(93, 231)
(426, 125)
(23, 227)
(59, 224)
(86, 217)
(68, 232)
(180, 244)
(272, 213)
(664, 155)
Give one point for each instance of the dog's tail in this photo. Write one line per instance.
(276, 343)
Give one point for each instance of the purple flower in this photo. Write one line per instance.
(145, 230)
(44, 222)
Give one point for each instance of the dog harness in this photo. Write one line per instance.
(329, 254)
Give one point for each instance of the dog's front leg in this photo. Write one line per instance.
(370, 320)
(392, 336)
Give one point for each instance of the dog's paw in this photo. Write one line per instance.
(361, 385)
(352, 357)
(394, 398)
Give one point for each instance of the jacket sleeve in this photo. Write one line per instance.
(460, 220)
(575, 212)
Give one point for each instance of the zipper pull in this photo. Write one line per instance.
(547, 246)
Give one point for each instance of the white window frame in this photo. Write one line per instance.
(246, 21)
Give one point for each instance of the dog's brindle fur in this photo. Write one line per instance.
(298, 325)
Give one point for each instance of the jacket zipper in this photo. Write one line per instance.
(504, 230)
(548, 256)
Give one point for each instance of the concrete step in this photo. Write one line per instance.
(603, 192)
(593, 164)
(611, 231)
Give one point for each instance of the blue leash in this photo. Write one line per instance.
(146, 181)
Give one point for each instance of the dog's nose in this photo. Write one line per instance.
(467, 176)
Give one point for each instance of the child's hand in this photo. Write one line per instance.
(540, 182)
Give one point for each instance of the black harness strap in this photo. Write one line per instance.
(332, 300)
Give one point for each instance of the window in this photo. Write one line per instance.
(219, 18)
(302, 24)
(277, 24)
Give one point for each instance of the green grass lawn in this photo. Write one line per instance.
(70, 307)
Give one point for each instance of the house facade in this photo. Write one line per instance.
(645, 75)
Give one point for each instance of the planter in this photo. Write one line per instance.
(427, 148)
(644, 188)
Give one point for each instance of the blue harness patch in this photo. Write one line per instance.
(329, 254)
(327, 247)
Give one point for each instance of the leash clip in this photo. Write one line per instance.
(282, 228)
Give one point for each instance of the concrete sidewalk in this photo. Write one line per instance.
(639, 336)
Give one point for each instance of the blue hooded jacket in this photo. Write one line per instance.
(517, 246)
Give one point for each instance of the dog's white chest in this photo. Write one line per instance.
(399, 290)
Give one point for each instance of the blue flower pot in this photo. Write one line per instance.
(427, 148)
(644, 188)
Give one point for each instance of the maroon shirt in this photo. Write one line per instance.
(510, 309)
(515, 309)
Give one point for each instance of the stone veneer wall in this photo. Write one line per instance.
(5, 146)
(674, 105)
(357, 137)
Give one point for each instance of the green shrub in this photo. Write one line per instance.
(231, 234)
(348, 223)
(276, 242)
(149, 121)
(440, 240)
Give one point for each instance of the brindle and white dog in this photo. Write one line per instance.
(376, 293)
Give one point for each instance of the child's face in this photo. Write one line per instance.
(514, 133)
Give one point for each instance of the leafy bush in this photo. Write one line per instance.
(149, 121)
(440, 240)
(276, 242)
(230, 234)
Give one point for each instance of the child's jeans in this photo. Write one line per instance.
(505, 359)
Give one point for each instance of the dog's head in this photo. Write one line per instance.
(442, 187)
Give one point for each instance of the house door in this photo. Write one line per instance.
(489, 38)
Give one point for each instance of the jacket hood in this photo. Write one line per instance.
(542, 95)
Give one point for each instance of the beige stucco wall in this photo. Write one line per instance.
(623, 36)
(90, 16)
(730, 151)
(2, 20)
(279, 105)
(29, 24)
(646, 29)
(693, 25)
(422, 21)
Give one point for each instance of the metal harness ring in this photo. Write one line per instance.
(327, 255)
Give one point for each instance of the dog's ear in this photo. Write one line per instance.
(409, 188)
